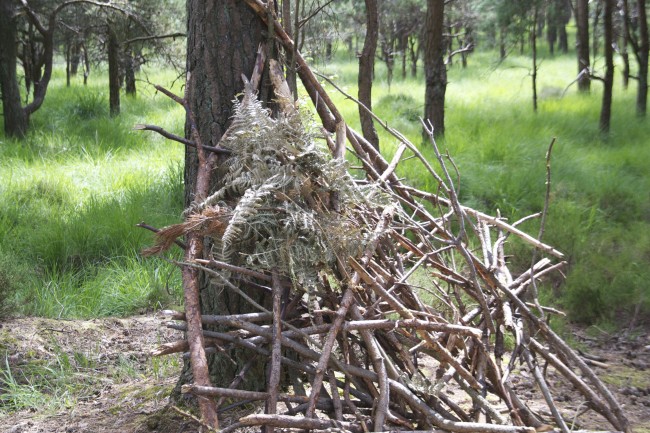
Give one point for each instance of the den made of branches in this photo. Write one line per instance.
(390, 308)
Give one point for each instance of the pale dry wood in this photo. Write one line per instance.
(366, 327)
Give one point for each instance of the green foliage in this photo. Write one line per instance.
(599, 202)
(70, 196)
(88, 105)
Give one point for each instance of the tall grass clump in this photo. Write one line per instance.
(71, 195)
(600, 202)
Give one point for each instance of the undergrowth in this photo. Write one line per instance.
(600, 202)
(71, 194)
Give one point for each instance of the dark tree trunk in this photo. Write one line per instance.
(86, 63)
(113, 72)
(414, 50)
(129, 74)
(15, 119)
(533, 42)
(67, 65)
(75, 58)
(366, 67)
(403, 42)
(435, 69)
(222, 41)
(608, 80)
(582, 45)
(625, 55)
(644, 45)
(551, 36)
(563, 39)
(502, 43)
(596, 35)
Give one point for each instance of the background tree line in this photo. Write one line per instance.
(408, 34)
(35, 34)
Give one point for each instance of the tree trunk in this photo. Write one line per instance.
(129, 74)
(563, 39)
(502, 43)
(291, 63)
(366, 67)
(67, 64)
(533, 42)
(582, 45)
(86, 62)
(15, 119)
(414, 50)
(435, 69)
(551, 36)
(608, 80)
(113, 73)
(625, 55)
(642, 90)
(596, 35)
(75, 58)
(222, 42)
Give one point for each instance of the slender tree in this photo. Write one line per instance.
(15, 118)
(642, 58)
(608, 79)
(113, 71)
(582, 44)
(45, 26)
(366, 69)
(435, 68)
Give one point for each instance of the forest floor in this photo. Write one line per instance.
(114, 386)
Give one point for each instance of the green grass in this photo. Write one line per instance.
(600, 204)
(72, 192)
(70, 196)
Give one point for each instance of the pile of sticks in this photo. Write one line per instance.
(371, 350)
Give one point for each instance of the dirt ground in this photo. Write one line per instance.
(96, 376)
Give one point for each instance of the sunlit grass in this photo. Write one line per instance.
(600, 206)
(71, 194)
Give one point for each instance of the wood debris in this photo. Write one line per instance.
(422, 327)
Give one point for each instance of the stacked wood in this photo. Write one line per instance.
(424, 328)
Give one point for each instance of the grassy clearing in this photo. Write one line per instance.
(70, 196)
(600, 208)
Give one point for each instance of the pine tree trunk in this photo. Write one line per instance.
(129, 74)
(435, 68)
(15, 119)
(625, 30)
(366, 67)
(608, 80)
(113, 73)
(222, 42)
(582, 44)
(644, 45)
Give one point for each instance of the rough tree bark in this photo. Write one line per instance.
(625, 32)
(608, 79)
(642, 57)
(129, 73)
(15, 119)
(435, 68)
(366, 67)
(222, 41)
(113, 72)
(533, 43)
(582, 44)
